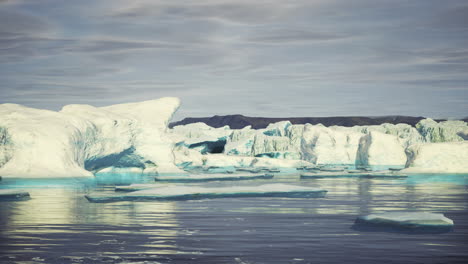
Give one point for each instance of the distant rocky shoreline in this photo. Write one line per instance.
(240, 121)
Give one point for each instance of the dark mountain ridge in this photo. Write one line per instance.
(240, 121)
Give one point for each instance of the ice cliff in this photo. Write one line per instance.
(81, 140)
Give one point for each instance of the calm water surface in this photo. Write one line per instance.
(58, 225)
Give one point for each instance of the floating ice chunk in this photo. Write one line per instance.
(137, 187)
(195, 193)
(407, 220)
(345, 174)
(214, 177)
(247, 169)
(13, 195)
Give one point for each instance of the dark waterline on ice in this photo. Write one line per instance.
(58, 225)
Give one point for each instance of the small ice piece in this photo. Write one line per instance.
(337, 169)
(213, 177)
(14, 195)
(251, 170)
(416, 221)
(345, 174)
(267, 169)
(136, 187)
(171, 193)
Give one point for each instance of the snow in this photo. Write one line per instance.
(82, 139)
(412, 220)
(197, 192)
(447, 157)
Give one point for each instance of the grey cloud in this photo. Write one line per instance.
(103, 45)
(454, 18)
(292, 36)
(266, 57)
(238, 12)
(13, 22)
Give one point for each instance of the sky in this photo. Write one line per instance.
(258, 58)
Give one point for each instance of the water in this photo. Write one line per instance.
(58, 225)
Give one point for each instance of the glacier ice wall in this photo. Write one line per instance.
(82, 140)
(439, 157)
(378, 145)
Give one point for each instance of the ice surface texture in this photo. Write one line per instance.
(195, 193)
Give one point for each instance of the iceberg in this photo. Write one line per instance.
(171, 193)
(81, 139)
(13, 195)
(214, 177)
(410, 221)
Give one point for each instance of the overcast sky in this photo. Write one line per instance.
(258, 58)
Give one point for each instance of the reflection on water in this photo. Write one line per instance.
(58, 225)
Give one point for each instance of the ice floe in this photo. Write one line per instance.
(416, 221)
(197, 192)
(13, 195)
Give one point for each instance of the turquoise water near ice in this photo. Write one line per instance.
(58, 225)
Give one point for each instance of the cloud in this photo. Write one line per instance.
(291, 36)
(239, 12)
(267, 57)
(453, 18)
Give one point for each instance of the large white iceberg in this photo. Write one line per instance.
(82, 139)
